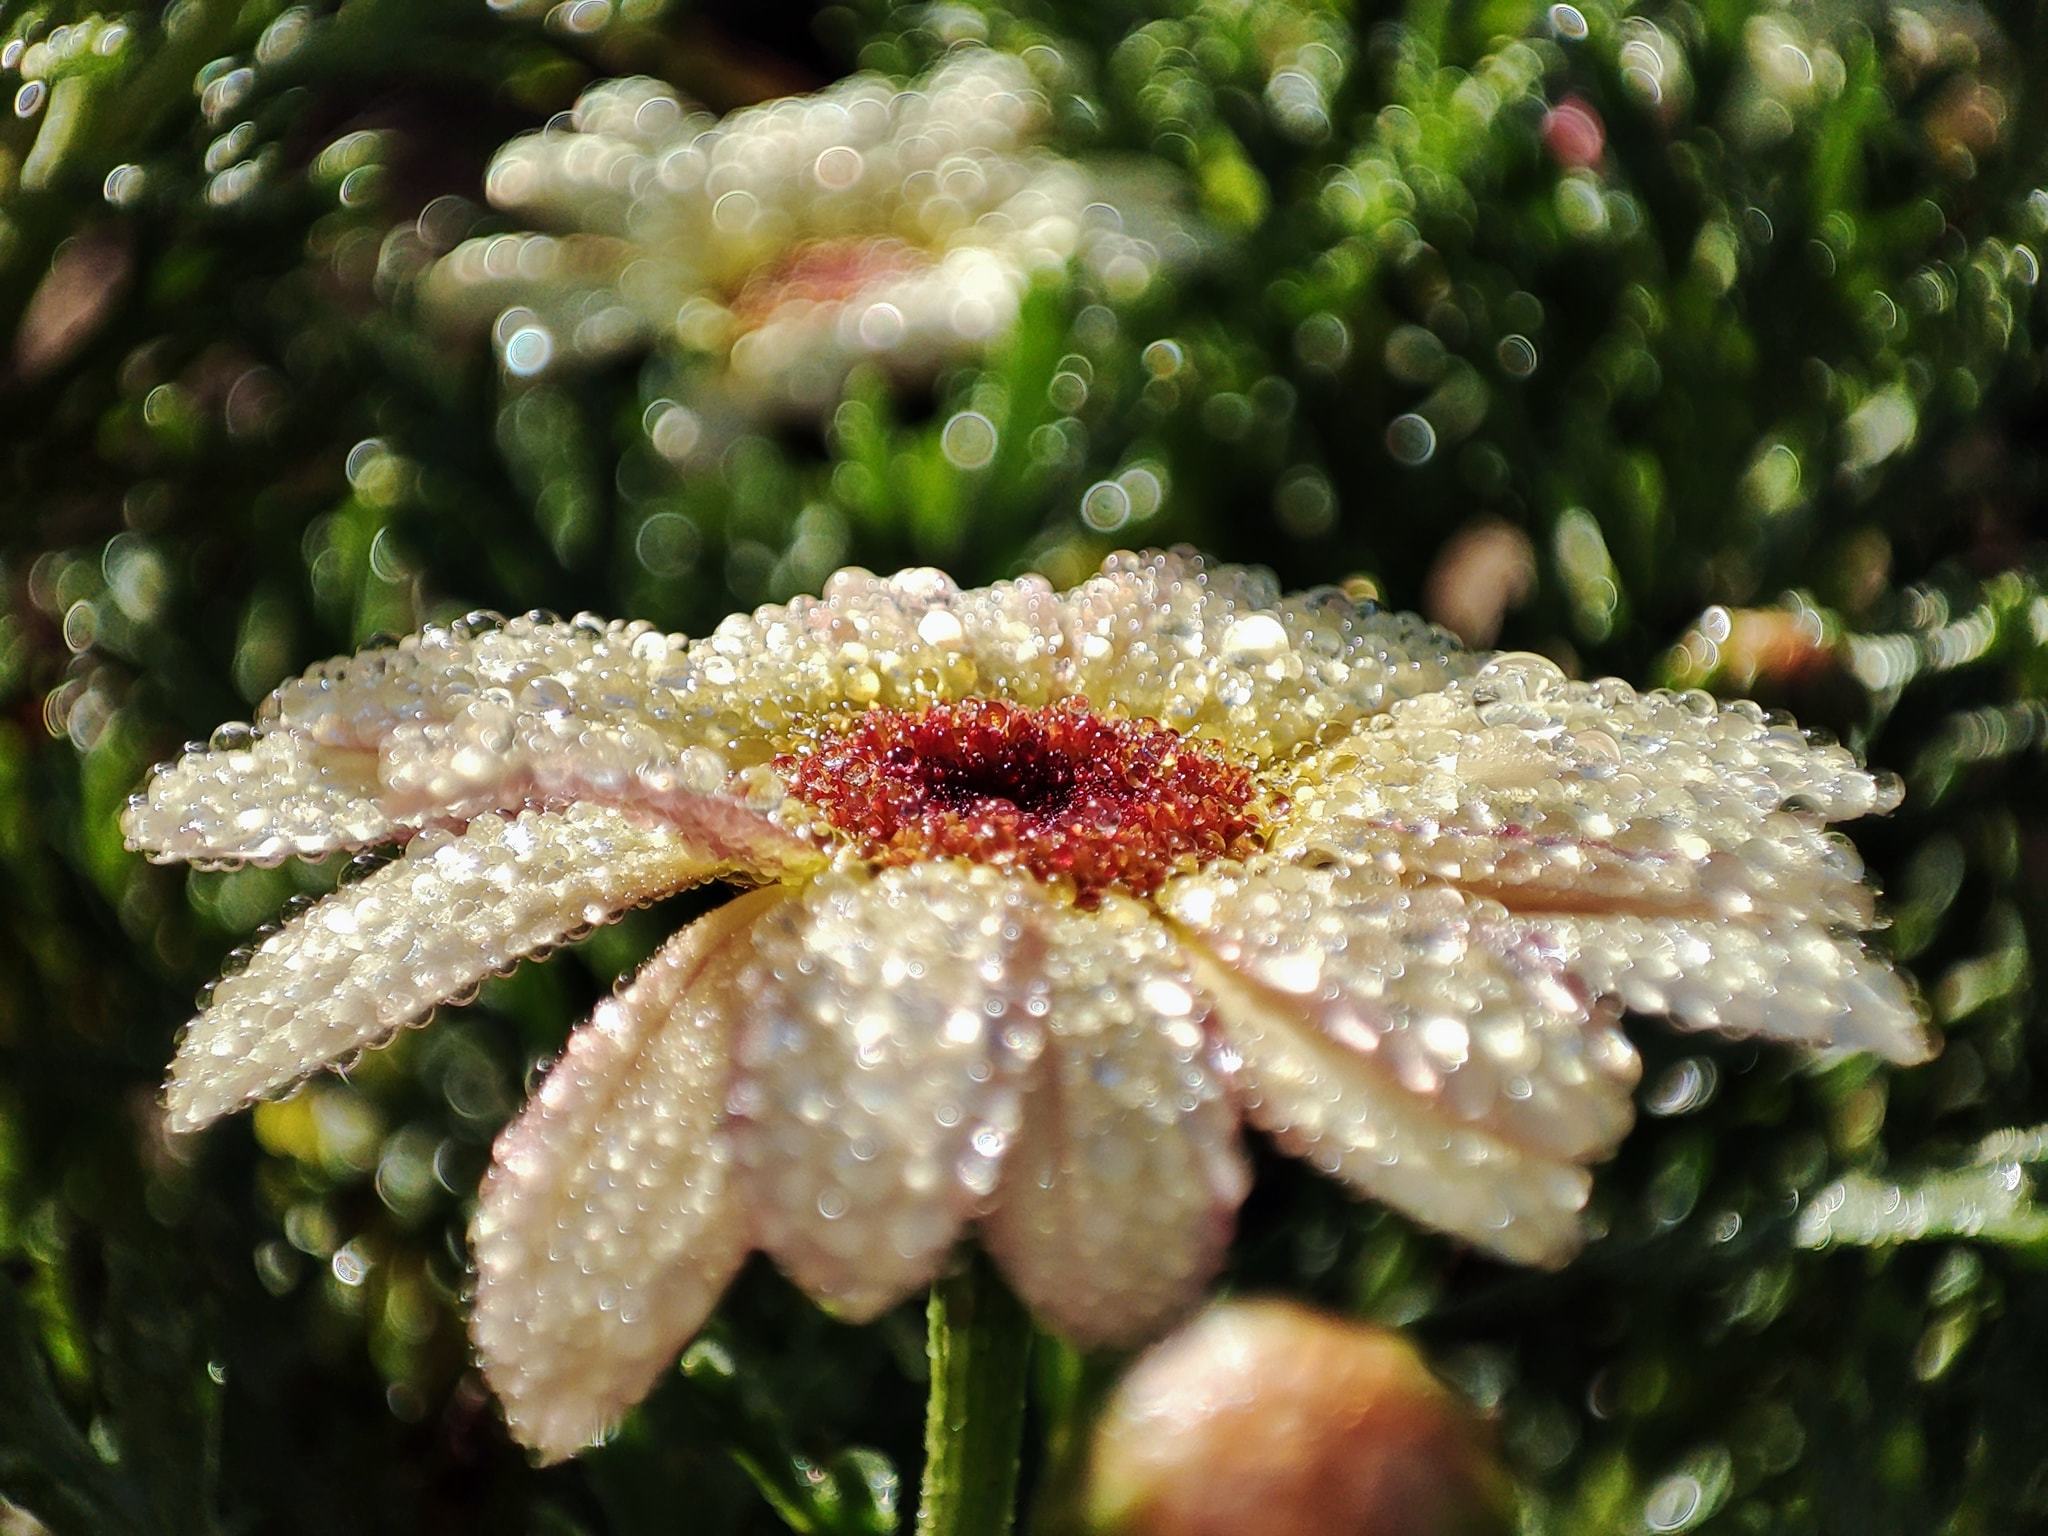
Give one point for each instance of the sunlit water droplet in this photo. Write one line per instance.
(969, 440)
(1105, 506)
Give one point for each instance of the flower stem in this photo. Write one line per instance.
(980, 1346)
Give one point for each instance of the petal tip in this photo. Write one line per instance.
(606, 1230)
(551, 1435)
(190, 1107)
(1557, 1249)
(1915, 1045)
(1886, 1014)
(846, 1300)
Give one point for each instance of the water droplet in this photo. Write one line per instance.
(881, 326)
(969, 440)
(1517, 354)
(1105, 506)
(838, 167)
(675, 430)
(123, 185)
(1306, 502)
(668, 544)
(1411, 439)
(350, 1264)
(1164, 358)
(1673, 1504)
(1255, 638)
(1068, 391)
(1322, 341)
(1683, 1087)
(527, 351)
(1146, 487)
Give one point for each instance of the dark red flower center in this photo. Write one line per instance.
(1069, 795)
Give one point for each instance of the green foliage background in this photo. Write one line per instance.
(1776, 350)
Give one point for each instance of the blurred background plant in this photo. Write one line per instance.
(1694, 341)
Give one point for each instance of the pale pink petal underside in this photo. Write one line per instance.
(881, 1072)
(1117, 1201)
(1410, 1043)
(609, 1224)
(424, 930)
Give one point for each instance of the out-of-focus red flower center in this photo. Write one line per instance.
(1071, 796)
(823, 272)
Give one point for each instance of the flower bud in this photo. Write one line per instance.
(1267, 1419)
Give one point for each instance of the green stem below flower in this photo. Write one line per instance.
(980, 1347)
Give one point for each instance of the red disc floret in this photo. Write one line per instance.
(1074, 797)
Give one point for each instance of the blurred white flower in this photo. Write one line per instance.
(789, 241)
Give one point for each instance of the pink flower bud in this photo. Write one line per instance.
(1267, 1419)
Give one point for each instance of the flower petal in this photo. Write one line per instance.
(882, 1070)
(585, 669)
(1558, 796)
(260, 800)
(609, 1224)
(896, 642)
(634, 160)
(589, 174)
(1117, 1201)
(308, 777)
(1209, 649)
(588, 292)
(552, 298)
(1215, 650)
(450, 723)
(1675, 848)
(437, 772)
(423, 930)
(1405, 1041)
(1786, 980)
